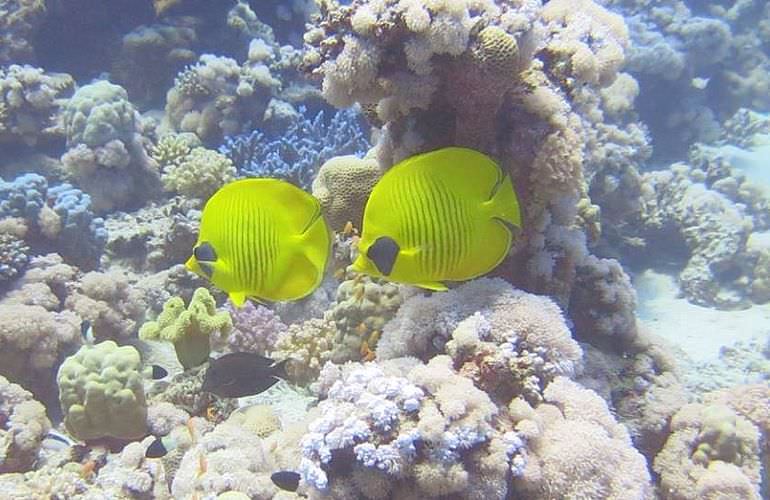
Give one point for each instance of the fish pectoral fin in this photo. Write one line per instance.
(238, 298)
(436, 286)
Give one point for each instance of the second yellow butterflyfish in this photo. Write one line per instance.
(446, 215)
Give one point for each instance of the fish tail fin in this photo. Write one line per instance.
(503, 203)
(279, 369)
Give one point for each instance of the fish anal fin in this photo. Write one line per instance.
(436, 286)
(238, 298)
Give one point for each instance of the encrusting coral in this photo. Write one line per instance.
(188, 328)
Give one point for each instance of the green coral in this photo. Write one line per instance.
(101, 392)
(188, 329)
(720, 437)
(172, 149)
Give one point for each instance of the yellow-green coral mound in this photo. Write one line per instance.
(188, 329)
(101, 392)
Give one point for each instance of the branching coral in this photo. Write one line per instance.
(33, 341)
(298, 152)
(188, 328)
(30, 100)
(198, 174)
(256, 329)
(307, 346)
(217, 97)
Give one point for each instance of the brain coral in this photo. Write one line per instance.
(101, 392)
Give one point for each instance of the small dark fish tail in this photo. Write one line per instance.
(279, 369)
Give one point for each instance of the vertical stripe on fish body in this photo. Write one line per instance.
(262, 238)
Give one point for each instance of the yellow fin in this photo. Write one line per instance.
(302, 277)
(436, 286)
(238, 298)
(504, 204)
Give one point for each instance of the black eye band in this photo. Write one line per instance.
(205, 253)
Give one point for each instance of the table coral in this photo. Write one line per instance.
(188, 328)
(24, 425)
(101, 392)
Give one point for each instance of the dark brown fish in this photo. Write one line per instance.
(242, 374)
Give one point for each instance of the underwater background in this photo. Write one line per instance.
(621, 350)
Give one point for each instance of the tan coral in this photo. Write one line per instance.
(342, 186)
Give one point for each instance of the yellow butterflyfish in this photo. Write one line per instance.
(262, 238)
(446, 215)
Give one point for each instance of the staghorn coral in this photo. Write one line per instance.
(188, 328)
(296, 153)
(101, 392)
(24, 425)
(342, 186)
(712, 452)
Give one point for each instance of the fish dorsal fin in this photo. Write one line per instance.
(466, 172)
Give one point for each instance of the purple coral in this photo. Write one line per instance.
(255, 329)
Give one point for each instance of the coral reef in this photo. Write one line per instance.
(300, 150)
(30, 99)
(188, 328)
(102, 394)
(711, 452)
(256, 329)
(429, 431)
(25, 424)
(106, 154)
(342, 186)
(198, 174)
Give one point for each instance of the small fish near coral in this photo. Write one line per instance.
(262, 238)
(446, 215)
(240, 374)
(286, 480)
